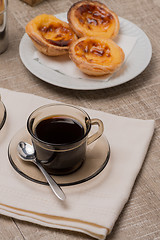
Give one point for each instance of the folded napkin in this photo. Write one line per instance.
(64, 65)
(91, 207)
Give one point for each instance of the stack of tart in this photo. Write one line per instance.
(87, 37)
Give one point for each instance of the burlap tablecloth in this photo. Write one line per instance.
(138, 98)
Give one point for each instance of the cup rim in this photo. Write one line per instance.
(57, 144)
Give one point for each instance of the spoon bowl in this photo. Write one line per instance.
(27, 153)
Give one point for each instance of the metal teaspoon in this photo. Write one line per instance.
(27, 153)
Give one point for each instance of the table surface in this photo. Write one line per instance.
(138, 98)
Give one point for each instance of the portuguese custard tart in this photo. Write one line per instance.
(50, 35)
(96, 56)
(92, 18)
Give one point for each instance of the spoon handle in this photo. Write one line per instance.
(54, 186)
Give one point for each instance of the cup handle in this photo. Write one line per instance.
(96, 135)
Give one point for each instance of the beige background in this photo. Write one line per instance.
(139, 98)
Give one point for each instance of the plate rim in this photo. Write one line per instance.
(101, 85)
(91, 176)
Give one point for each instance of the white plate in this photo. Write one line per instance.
(136, 62)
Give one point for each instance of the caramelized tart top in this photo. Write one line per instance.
(92, 18)
(97, 51)
(96, 56)
(50, 29)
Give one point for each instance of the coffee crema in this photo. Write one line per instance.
(59, 130)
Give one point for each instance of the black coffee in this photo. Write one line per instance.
(59, 130)
(62, 158)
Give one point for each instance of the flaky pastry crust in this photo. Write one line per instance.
(92, 18)
(96, 56)
(50, 35)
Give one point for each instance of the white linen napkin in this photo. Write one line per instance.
(64, 65)
(92, 207)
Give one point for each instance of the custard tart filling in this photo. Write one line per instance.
(96, 56)
(92, 18)
(50, 35)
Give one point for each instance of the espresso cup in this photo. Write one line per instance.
(60, 135)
